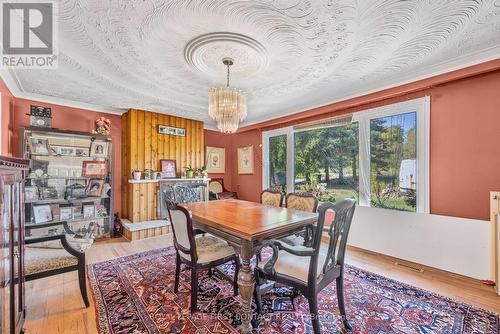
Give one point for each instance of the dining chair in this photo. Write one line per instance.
(216, 187)
(271, 197)
(302, 201)
(197, 252)
(310, 269)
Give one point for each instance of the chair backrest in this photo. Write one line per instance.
(182, 227)
(301, 201)
(271, 197)
(187, 194)
(216, 185)
(338, 233)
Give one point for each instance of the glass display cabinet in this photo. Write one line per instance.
(70, 180)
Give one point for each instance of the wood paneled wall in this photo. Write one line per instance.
(143, 148)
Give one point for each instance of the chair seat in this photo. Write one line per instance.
(294, 266)
(226, 194)
(39, 260)
(209, 249)
(293, 240)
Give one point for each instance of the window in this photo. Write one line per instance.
(326, 162)
(380, 158)
(393, 157)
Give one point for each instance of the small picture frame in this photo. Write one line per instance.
(94, 187)
(88, 210)
(39, 146)
(101, 211)
(42, 213)
(82, 152)
(95, 169)
(168, 169)
(66, 212)
(31, 193)
(215, 159)
(48, 193)
(245, 160)
(99, 149)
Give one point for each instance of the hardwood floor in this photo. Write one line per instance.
(54, 304)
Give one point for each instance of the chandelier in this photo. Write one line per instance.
(227, 106)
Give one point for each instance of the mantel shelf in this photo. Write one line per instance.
(194, 179)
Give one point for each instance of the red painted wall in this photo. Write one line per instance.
(64, 118)
(217, 139)
(464, 137)
(7, 109)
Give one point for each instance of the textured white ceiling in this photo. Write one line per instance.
(289, 55)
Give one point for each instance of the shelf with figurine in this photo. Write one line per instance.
(71, 171)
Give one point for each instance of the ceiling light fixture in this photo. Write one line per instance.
(227, 106)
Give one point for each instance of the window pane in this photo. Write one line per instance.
(327, 162)
(277, 163)
(393, 153)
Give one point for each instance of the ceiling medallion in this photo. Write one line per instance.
(227, 106)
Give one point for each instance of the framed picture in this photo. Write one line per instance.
(31, 193)
(39, 146)
(42, 213)
(99, 149)
(63, 150)
(66, 212)
(94, 188)
(101, 211)
(245, 160)
(168, 169)
(97, 169)
(82, 151)
(216, 159)
(48, 193)
(88, 210)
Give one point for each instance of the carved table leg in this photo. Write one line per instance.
(246, 283)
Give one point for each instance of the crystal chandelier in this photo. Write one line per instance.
(227, 106)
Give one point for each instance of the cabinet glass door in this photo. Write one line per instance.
(5, 214)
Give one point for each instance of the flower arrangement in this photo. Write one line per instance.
(102, 125)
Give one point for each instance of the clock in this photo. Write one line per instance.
(40, 116)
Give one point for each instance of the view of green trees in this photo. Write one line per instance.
(327, 161)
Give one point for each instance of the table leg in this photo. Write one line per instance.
(246, 284)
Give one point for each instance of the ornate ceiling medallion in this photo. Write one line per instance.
(205, 51)
(227, 106)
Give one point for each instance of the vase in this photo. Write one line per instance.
(137, 175)
(189, 174)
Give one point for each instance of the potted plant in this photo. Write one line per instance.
(147, 174)
(202, 172)
(189, 172)
(136, 174)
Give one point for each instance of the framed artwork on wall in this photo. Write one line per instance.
(39, 146)
(245, 160)
(97, 169)
(168, 169)
(215, 159)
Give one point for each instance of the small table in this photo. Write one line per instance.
(244, 225)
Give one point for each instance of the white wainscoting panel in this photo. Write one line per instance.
(457, 245)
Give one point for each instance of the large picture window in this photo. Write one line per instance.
(380, 158)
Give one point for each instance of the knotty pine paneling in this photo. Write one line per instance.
(143, 148)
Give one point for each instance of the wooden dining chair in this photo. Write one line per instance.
(302, 201)
(197, 252)
(271, 197)
(310, 269)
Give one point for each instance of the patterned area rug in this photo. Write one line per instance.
(134, 294)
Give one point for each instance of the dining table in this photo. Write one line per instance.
(245, 225)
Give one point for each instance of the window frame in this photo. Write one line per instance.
(421, 106)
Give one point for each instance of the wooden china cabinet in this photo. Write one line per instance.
(12, 306)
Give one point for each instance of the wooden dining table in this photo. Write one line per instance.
(244, 225)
